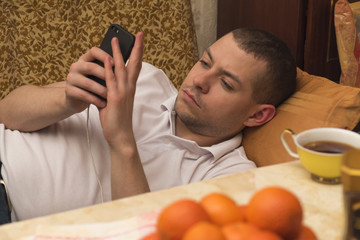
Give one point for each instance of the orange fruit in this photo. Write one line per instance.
(242, 210)
(221, 208)
(277, 210)
(204, 231)
(176, 218)
(152, 236)
(306, 234)
(239, 231)
(264, 235)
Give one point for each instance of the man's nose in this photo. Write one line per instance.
(203, 81)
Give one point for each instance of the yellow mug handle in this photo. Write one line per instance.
(286, 146)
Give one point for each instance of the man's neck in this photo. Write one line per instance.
(181, 130)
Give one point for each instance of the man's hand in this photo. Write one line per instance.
(30, 108)
(79, 87)
(116, 117)
(127, 174)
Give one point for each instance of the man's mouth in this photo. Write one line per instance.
(189, 97)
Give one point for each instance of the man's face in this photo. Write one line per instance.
(215, 99)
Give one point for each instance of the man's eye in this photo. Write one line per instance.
(205, 64)
(226, 85)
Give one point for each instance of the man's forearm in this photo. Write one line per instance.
(30, 108)
(127, 174)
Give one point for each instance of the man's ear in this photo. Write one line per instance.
(264, 113)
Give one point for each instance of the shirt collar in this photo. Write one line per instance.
(169, 105)
(223, 148)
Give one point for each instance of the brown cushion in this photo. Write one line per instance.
(39, 42)
(318, 102)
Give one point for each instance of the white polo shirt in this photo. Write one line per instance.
(50, 170)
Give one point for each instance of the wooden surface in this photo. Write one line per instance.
(322, 207)
(306, 26)
(283, 18)
(321, 57)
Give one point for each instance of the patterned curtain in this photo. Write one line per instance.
(205, 18)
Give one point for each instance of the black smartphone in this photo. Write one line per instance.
(126, 42)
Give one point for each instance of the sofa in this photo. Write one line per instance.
(39, 40)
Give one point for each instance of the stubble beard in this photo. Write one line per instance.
(196, 124)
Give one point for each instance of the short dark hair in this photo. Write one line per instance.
(278, 82)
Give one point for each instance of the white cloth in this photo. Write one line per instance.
(50, 170)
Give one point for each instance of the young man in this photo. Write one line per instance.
(149, 140)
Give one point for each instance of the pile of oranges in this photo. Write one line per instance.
(273, 213)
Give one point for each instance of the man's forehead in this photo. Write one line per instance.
(235, 61)
(227, 37)
(226, 48)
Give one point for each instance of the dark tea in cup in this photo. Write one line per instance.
(328, 146)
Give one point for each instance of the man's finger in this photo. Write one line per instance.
(109, 75)
(117, 56)
(94, 53)
(135, 60)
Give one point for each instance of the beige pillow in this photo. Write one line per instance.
(318, 102)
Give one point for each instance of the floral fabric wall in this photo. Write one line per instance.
(39, 40)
